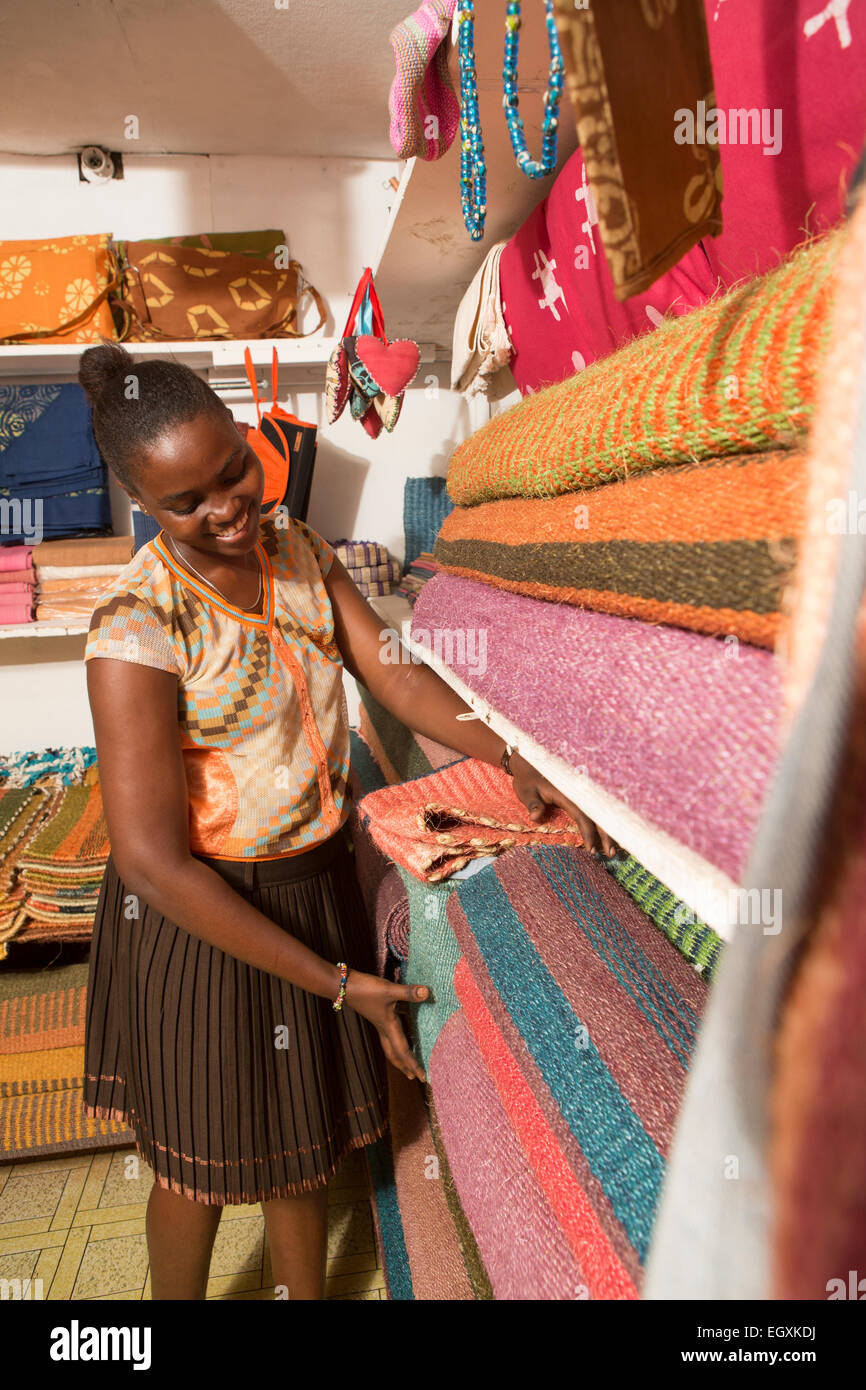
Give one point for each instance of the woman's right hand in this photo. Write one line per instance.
(377, 1000)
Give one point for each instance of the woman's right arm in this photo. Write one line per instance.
(145, 798)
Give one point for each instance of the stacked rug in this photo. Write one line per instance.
(556, 1050)
(680, 727)
(42, 1017)
(369, 565)
(707, 547)
(53, 851)
(734, 377)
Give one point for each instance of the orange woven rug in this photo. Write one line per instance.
(41, 1067)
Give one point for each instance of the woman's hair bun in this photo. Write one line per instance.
(98, 367)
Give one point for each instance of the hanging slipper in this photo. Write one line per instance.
(388, 409)
(359, 404)
(422, 102)
(337, 384)
(371, 422)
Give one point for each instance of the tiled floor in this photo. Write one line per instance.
(77, 1224)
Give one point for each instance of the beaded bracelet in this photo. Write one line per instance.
(344, 975)
(505, 760)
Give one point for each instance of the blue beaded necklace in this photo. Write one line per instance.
(473, 170)
(534, 169)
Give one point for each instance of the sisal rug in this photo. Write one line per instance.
(709, 548)
(737, 375)
(42, 1017)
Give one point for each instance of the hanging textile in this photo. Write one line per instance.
(656, 197)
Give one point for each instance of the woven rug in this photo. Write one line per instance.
(585, 1019)
(437, 824)
(693, 939)
(42, 1017)
(708, 548)
(61, 868)
(679, 726)
(399, 752)
(734, 376)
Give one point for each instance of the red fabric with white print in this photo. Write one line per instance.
(802, 65)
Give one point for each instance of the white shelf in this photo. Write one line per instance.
(41, 629)
(220, 358)
(709, 892)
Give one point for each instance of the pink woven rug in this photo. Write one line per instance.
(679, 726)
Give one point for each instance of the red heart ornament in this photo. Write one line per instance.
(391, 365)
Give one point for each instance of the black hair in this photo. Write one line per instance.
(135, 403)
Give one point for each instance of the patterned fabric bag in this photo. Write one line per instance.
(178, 293)
(57, 291)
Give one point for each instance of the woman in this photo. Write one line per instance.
(230, 901)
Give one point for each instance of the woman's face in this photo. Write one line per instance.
(204, 485)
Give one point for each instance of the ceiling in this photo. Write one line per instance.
(294, 77)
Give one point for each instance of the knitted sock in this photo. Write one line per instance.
(422, 86)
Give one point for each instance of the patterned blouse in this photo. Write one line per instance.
(261, 709)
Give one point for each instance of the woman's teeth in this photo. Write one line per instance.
(236, 530)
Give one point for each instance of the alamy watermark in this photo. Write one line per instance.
(454, 646)
(711, 125)
(22, 516)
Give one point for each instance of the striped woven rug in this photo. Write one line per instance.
(736, 376)
(707, 547)
(572, 1042)
(41, 1067)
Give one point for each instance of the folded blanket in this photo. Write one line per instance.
(437, 824)
(96, 550)
(84, 585)
(46, 573)
(680, 727)
(16, 577)
(20, 611)
(705, 547)
(732, 377)
(16, 557)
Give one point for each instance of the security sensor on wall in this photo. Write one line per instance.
(96, 165)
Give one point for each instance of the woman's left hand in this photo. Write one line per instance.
(536, 792)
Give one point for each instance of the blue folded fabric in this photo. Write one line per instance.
(49, 461)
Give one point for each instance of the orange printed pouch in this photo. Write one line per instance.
(56, 291)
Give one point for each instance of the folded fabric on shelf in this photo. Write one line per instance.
(52, 476)
(84, 554)
(84, 585)
(15, 581)
(16, 611)
(734, 376)
(15, 559)
(682, 728)
(707, 547)
(51, 572)
(481, 346)
(416, 576)
(584, 1019)
(435, 825)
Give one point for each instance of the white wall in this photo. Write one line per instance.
(333, 213)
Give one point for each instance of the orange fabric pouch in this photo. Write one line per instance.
(57, 291)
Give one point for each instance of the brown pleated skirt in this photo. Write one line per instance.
(237, 1086)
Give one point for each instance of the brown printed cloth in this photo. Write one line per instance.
(631, 65)
(188, 292)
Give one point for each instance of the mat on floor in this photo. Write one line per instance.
(41, 1067)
